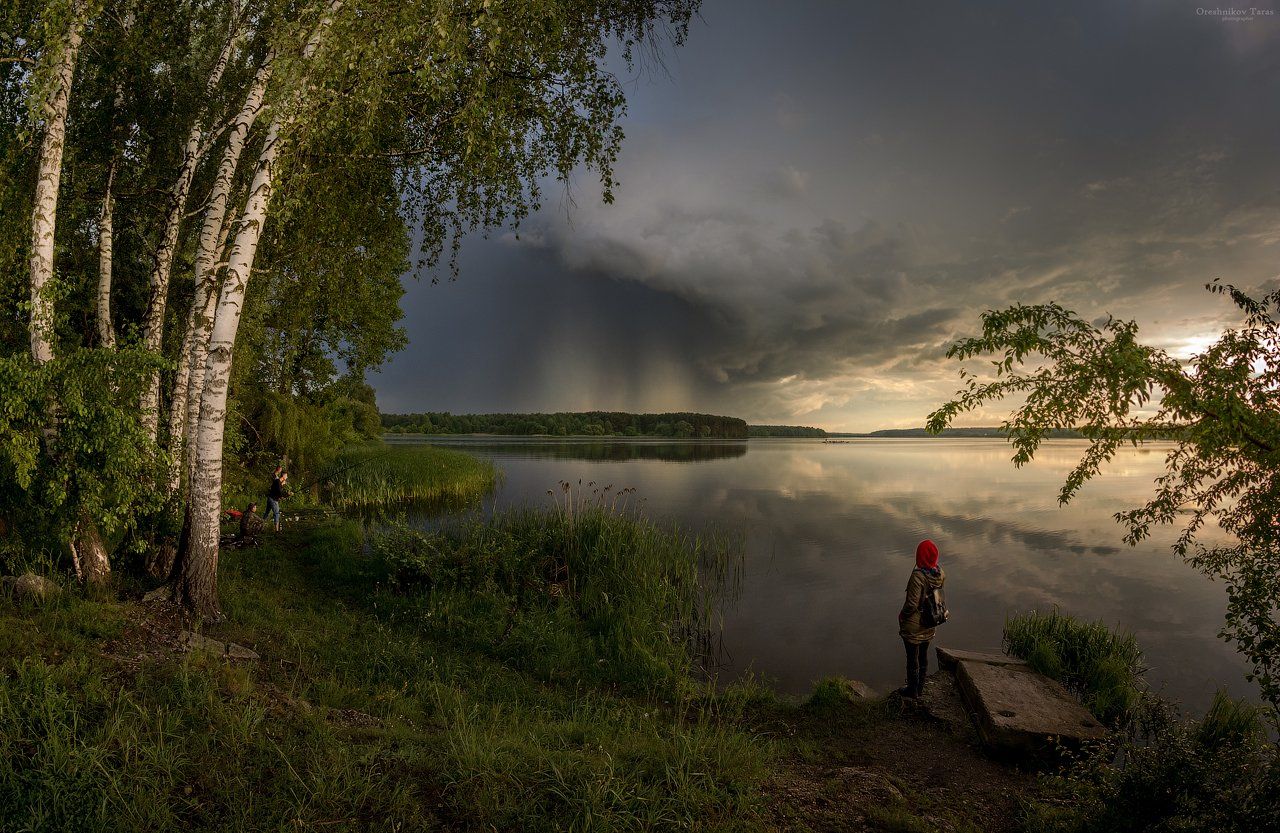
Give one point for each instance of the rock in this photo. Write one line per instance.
(1018, 709)
(858, 690)
(161, 595)
(31, 588)
(948, 657)
(191, 641)
(941, 701)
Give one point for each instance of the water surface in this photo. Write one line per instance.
(830, 531)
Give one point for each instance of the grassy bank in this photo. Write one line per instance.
(1104, 667)
(371, 708)
(384, 475)
(531, 674)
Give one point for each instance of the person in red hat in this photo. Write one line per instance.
(925, 579)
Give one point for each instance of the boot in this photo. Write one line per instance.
(910, 691)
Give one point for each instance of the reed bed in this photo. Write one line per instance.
(1103, 666)
(587, 590)
(379, 475)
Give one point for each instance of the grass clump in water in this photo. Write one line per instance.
(1104, 667)
(379, 474)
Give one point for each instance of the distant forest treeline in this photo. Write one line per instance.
(784, 431)
(589, 424)
(1055, 433)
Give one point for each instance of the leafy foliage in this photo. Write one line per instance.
(92, 461)
(1218, 773)
(1221, 408)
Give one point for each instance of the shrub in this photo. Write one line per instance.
(1217, 774)
(1102, 666)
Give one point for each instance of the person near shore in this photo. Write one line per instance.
(250, 524)
(276, 494)
(925, 578)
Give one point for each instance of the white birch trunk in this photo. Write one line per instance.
(106, 233)
(197, 581)
(153, 321)
(184, 403)
(88, 553)
(44, 214)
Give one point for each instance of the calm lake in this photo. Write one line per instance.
(830, 531)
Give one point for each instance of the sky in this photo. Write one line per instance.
(817, 198)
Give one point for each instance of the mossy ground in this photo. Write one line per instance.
(357, 717)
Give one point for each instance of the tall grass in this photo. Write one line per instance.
(1103, 666)
(588, 590)
(1158, 771)
(377, 474)
(450, 736)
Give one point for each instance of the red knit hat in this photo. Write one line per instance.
(927, 555)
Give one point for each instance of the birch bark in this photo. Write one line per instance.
(106, 234)
(88, 553)
(44, 214)
(184, 407)
(197, 580)
(153, 320)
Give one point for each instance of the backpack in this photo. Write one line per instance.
(933, 608)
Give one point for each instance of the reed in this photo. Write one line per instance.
(362, 716)
(587, 590)
(376, 475)
(1103, 666)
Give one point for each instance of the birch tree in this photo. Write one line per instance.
(184, 409)
(89, 553)
(193, 150)
(196, 584)
(473, 104)
(44, 214)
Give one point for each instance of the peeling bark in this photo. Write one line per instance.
(153, 320)
(184, 403)
(44, 215)
(106, 233)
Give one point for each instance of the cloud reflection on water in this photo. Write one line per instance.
(830, 530)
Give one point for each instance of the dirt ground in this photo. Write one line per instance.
(894, 765)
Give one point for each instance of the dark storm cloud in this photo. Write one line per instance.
(821, 196)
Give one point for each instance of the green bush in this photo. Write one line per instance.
(592, 593)
(1104, 667)
(1216, 774)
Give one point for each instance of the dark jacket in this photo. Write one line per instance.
(921, 581)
